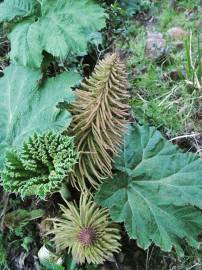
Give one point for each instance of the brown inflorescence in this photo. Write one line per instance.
(100, 114)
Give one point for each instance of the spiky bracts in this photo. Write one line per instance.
(87, 232)
(40, 168)
(99, 117)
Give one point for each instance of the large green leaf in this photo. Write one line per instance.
(64, 28)
(134, 6)
(71, 23)
(26, 51)
(10, 9)
(26, 108)
(155, 191)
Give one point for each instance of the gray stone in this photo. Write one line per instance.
(177, 33)
(155, 45)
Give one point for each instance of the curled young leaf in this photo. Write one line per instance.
(40, 168)
(26, 107)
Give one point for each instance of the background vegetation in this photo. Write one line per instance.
(161, 44)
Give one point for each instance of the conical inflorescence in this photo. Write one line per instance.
(100, 114)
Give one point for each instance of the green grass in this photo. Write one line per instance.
(157, 99)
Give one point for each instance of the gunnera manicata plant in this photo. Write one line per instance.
(100, 114)
(41, 166)
(86, 231)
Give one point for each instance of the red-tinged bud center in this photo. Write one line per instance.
(87, 236)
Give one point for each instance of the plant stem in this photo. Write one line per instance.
(117, 263)
(3, 213)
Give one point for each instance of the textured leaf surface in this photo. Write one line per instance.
(11, 9)
(155, 191)
(134, 6)
(25, 108)
(41, 166)
(64, 28)
(26, 49)
(71, 22)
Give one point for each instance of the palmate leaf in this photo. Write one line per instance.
(155, 191)
(26, 49)
(71, 22)
(10, 9)
(134, 6)
(26, 108)
(64, 28)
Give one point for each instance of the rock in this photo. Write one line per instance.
(155, 45)
(177, 33)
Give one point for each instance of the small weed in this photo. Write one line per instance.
(193, 65)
